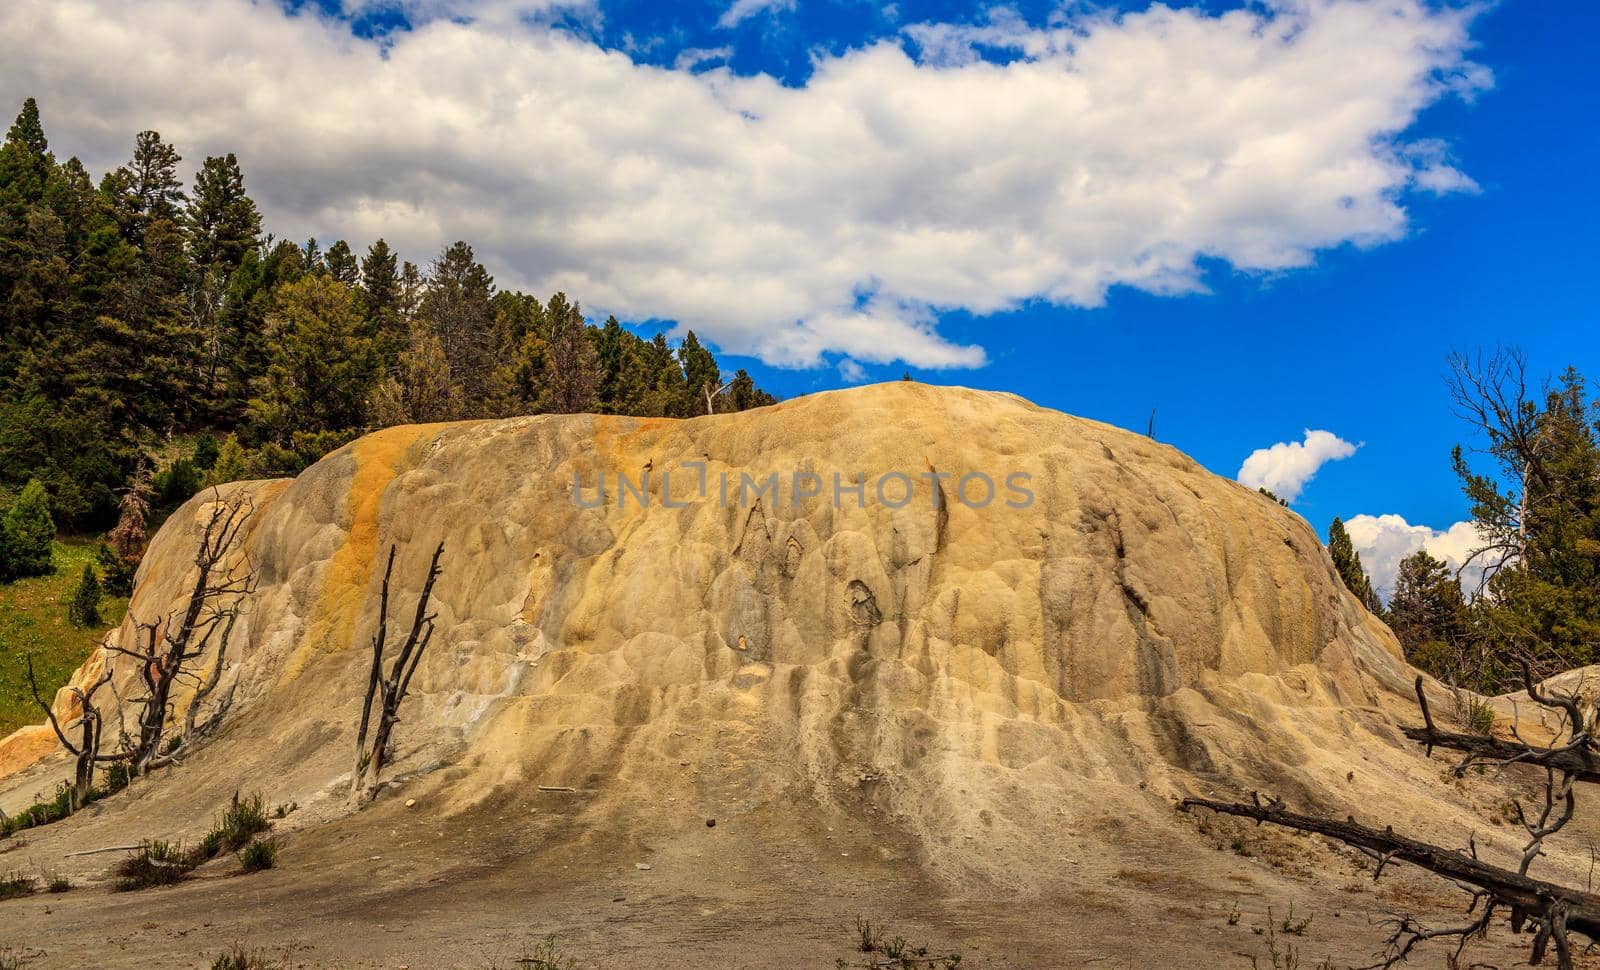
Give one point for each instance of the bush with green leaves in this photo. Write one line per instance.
(27, 535)
(118, 572)
(259, 855)
(156, 863)
(16, 886)
(83, 607)
(239, 958)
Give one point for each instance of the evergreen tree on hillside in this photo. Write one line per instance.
(147, 190)
(342, 264)
(457, 309)
(25, 161)
(573, 372)
(320, 366)
(419, 388)
(700, 374)
(1428, 615)
(83, 607)
(381, 301)
(521, 329)
(31, 239)
(1348, 564)
(1538, 508)
(27, 534)
(221, 221)
(744, 395)
(311, 257)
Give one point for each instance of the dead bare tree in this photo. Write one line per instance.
(390, 689)
(87, 749)
(166, 648)
(1554, 910)
(712, 392)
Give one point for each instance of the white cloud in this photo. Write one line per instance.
(743, 9)
(1286, 467)
(851, 372)
(692, 57)
(790, 222)
(1384, 540)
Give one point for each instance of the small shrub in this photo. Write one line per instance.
(55, 882)
(16, 886)
(245, 819)
(543, 957)
(895, 953)
(1477, 715)
(118, 775)
(239, 958)
(260, 854)
(117, 572)
(206, 450)
(176, 483)
(83, 606)
(157, 864)
(1290, 925)
(53, 809)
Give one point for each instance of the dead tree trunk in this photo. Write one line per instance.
(167, 648)
(390, 689)
(87, 750)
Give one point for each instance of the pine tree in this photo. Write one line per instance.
(27, 535)
(667, 393)
(83, 608)
(419, 389)
(32, 257)
(148, 189)
(381, 300)
(1348, 564)
(1428, 615)
(311, 257)
(1542, 533)
(221, 221)
(573, 371)
(25, 161)
(342, 264)
(700, 374)
(743, 394)
(320, 367)
(458, 311)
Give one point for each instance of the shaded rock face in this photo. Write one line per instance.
(1137, 627)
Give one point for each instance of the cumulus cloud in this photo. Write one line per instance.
(1384, 540)
(851, 372)
(1286, 467)
(796, 223)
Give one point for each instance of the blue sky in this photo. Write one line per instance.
(1259, 220)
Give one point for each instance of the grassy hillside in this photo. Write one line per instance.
(33, 620)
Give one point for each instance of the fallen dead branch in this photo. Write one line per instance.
(1553, 909)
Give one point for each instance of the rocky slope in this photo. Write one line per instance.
(987, 696)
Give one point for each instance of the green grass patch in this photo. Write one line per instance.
(33, 619)
(259, 855)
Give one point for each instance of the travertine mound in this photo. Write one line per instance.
(1140, 629)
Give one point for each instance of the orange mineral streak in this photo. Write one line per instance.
(379, 459)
